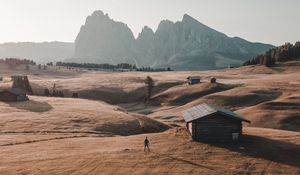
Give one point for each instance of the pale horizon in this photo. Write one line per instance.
(271, 21)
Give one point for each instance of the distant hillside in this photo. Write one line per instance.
(183, 45)
(39, 52)
(282, 53)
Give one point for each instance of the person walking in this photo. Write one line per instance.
(146, 145)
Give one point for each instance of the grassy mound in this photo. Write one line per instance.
(72, 116)
(280, 114)
(185, 93)
(238, 97)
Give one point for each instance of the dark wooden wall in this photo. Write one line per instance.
(216, 128)
(6, 96)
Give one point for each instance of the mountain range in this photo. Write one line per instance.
(182, 45)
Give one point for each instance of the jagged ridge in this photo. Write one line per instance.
(186, 44)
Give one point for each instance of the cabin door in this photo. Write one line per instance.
(194, 132)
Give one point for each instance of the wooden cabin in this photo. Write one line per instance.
(13, 95)
(210, 123)
(193, 80)
(16, 77)
(213, 80)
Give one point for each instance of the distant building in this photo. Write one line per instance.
(13, 95)
(210, 123)
(21, 82)
(213, 80)
(16, 77)
(193, 80)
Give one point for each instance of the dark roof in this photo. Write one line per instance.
(193, 77)
(204, 109)
(17, 76)
(16, 91)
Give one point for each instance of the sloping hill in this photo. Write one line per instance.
(281, 113)
(180, 95)
(63, 115)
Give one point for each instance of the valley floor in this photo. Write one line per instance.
(264, 151)
(102, 131)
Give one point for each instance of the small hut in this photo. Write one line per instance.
(210, 123)
(16, 77)
(21, 82)
(213, 80)
(13, 95)
(193, 80)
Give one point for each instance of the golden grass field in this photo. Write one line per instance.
(102, 131)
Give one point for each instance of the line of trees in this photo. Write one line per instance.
(14, 62)
(149, 69)
(121, 66)
(97, 66)
(55, 92)
(282, 53)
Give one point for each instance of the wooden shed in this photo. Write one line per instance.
(211, 123)
(13, 95)
(16, 77)
(193, 80)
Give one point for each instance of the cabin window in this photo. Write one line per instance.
(235, 135)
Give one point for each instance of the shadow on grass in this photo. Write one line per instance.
(184, 161)
(265, 148)
(31, 105)
(114, 95)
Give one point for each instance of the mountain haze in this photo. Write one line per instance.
(183, 45)
(39, 52)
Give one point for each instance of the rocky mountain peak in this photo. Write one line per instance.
(165, 24)
(187, 17)
(146, 31)
(98, 13)
(186, 44)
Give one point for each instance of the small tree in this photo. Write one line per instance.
(54, 93)
(75, 95)
(149, 87)
(50, 64)
(27, 67)
(47, 92)
(60, 94)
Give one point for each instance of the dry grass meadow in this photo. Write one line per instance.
(102, 131)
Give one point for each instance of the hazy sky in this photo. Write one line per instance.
(269, 21)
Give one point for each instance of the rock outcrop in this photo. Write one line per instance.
(103, 40)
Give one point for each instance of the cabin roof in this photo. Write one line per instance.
(16, 91)
(204, 110)
(17, 76)
(193, 77)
